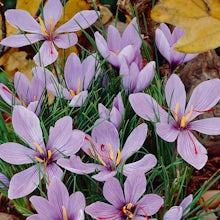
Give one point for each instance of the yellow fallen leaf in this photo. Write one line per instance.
(27, 5)
(199, 18)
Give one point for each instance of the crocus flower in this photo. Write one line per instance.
(178, 122)
(177, 212)
(45, 30)
(4, 182)
(115, 115)
(117, 46)
(165, 42)
(29, 93)
(135, 79)
(62, 141)
(60, 205)
(104, 147)
(77, 76)
(127, 205)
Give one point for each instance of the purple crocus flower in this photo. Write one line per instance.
(177, 123)
(117, 46)
(45, 30)
(116, 113)
(60, 205)
(165, 42)
(127, 205)
(177, 212)
(62, 140)
(104, 147)
(135, 79)
(77, 76)
(4, 182)
(29, 93)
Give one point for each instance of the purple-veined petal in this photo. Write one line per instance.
(79, 99)
(191, 150)
(143, 165)
(134, 141)
(210, 126)
(101, 210)
(36, 89)
(52, 170)
(175, 94)
(101, 44)
(147, 108)
(15, 153)
(118, 103)
(103, 111)
(168, 132)
(80, 20)
(177, 34)
(22, 20)
(46, 55)
(66, 40)
(27, 125)
(113, 193)
(186, 202)
(128, 53)
(204, 96)
(21, 40)
(174, 213)
(24, 183)
(150, 204)
(115, 117)
(34, 107)
(104, 175)
(167, 33)
(114, 39)
(37, 217)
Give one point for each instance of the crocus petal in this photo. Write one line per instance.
(27, 125)
(81, 20)
(147, 107)
(52, 170)
(115, 117)
(21, 40)
(114, 39)
(150, 204)
(104, 175)
(143, 165)
(167, 33)
(134, 141)
(79, 99)
(210, 126)
(101, 210)
(204, 96)
(24, 183)
(128, 53)
(4, 182)
(175, 94)
(14, 153)
(37, 88)
(22, 20)
(168, 132)
(186, 202)
(189, 57)
(103, 111)
(113, 193)
(101, 44)
(66, 40)
(174, 213)
(118, 103)
(191, 150)
(46, 55)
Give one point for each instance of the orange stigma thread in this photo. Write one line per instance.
(64, 213)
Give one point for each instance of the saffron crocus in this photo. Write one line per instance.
(4, 182)
(104, 147)
(116, 113)
(29, 93)
(127, 205)
(60, 205)
(178, 122)
(135, 79)
(117, 46)
(165, 42)
(45, 30)
(77, 79)
(177, 212)
(62, 141)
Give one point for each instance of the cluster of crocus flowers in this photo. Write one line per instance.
(178, 122)
(46, 30)
(62, 140)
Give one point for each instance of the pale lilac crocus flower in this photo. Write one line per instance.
(4, 182)
(116, 113)
(28, 93)
(62, 141)
(59, 205)
(177, 212)
(46, 31)
(77, 79)
(165, 41)
(117, 46)
(128, 204)
(104, 147)
(135, 79)
(178, 122)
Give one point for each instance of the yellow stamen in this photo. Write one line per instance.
(176, 111)
(72, 93)
(78, 86)
(39, 148)
(127, 210)
(51, 26)
(118, 157)
(65, 216)
(38, 159)
(188, 115)
(111, 153)
(101, 160)
(49, 154)
(117, 52)
(42, 27)
(35, 98)
(183, 122)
